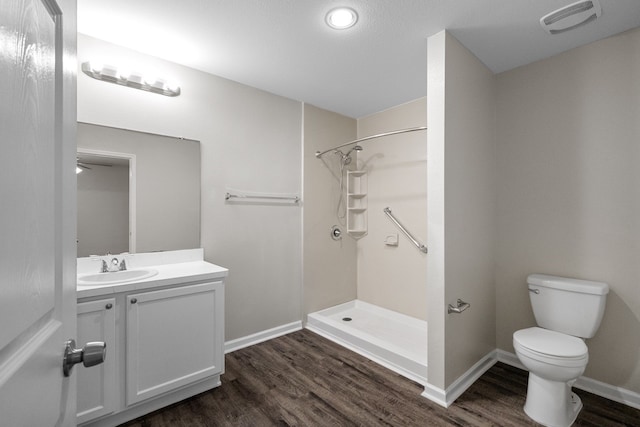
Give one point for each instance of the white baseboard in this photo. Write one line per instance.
(510, 359)
(261, 336)
(608, 391)
(446, 397)
(436, 395)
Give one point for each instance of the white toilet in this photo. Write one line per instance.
(567, 310)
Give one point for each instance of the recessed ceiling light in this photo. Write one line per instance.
(341, 18)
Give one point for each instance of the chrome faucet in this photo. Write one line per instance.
(113, 265)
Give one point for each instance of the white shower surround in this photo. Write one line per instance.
(392, 339)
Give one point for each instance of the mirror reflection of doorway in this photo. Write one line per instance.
(104, 220)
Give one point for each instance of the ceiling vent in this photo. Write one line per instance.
(571, 16)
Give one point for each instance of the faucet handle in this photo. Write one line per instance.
(105, 268)
(123, 265)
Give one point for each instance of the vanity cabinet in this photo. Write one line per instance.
(163, 345)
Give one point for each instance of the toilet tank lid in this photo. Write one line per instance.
(568, 284)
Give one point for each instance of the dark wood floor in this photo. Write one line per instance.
(302, 379)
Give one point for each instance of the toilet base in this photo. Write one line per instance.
(551, 403)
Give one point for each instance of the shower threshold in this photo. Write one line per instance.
(393, 340)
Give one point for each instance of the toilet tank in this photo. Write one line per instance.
(571, 306)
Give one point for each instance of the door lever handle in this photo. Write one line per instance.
(93, 353)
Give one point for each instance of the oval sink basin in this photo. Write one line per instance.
(115, 277)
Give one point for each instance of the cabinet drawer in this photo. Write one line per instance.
(173, 338)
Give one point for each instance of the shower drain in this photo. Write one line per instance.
(346, 319)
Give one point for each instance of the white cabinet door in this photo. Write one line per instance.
(174, 338)
(97, 385)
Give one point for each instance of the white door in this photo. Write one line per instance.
(37, 210)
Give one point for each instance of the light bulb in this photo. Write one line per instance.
(123, 73)
(96, 67)
(149, 79)
(341, 18)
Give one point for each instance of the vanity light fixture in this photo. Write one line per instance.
(341, 18)
(111, 74)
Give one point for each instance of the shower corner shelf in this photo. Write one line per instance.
(357, 203)
(357, 210)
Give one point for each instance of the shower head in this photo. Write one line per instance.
(346, 157)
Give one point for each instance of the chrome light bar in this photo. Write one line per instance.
(111, 74)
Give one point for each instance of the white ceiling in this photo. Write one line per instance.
(284, 46)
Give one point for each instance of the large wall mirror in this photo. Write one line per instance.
(137, 192)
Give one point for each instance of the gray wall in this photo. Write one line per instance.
(564, 180)
(461, 209)
(329, 266)
(395, 277)
(569, 191)
(250, 141)
(103, 210)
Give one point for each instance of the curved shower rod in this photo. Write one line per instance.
(366, 138)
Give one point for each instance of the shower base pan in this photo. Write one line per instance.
(393, 340)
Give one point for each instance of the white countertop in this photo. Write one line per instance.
(174, 267)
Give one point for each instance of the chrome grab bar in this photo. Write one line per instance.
(419, 245)
(294, 199)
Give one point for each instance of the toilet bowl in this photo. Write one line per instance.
(554, 361)
(555, 354)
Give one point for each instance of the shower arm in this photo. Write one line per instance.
(380, 135)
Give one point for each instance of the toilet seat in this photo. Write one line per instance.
(551, 347)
